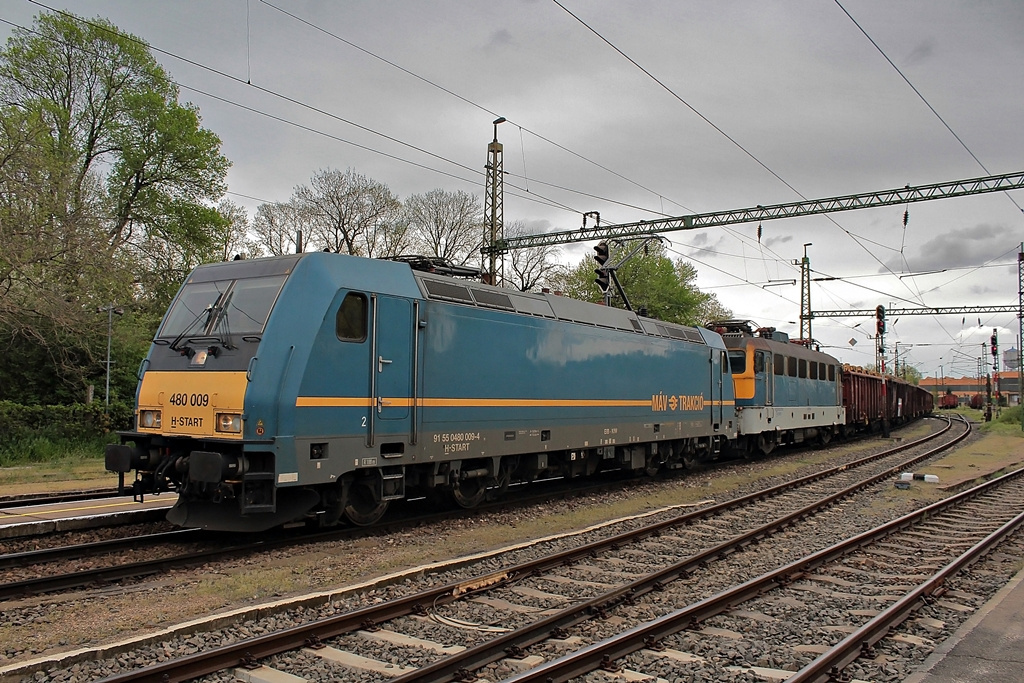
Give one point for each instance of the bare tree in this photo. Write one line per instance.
(532, 267)
(276, 227)
(234, 239)
(389, 238)
(446, 224)
(344, 209)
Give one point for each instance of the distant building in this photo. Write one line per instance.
(1011, 359)
(1005, 383)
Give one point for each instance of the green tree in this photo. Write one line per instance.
(101, 170)
(666, 289)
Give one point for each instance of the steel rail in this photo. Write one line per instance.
(645, 635)
(59, 582)
(79, 550)
(452, 666)
(828, 665)
(313, 633)
(53, 498)
(85, 577)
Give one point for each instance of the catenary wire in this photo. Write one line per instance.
(323, 112)
(922, 98)
(470, 102)
(856, 238)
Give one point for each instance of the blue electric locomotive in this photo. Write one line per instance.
(320, 386)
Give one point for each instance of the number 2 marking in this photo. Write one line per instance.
(364, 421)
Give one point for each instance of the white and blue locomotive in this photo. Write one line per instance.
(785, 393)
(320, 386)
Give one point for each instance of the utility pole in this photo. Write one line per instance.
(880, 339)
(1020, 333)
(493, 206)
(806, 338)
(110, 310)
(983, 373)
(995, 365)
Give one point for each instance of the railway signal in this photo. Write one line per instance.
(601, 256)
(995, 350)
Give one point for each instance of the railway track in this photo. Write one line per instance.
(53, 498)
(588, 581)
(925, 548)
(38, 571)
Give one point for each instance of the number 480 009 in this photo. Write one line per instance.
(181, 399)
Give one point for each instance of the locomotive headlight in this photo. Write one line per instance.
(149, 419)
(229, 422)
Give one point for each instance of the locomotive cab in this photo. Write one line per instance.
(192, 433)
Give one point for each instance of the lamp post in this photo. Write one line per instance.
(110, 310)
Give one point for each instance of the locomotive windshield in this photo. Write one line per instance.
(222, 307)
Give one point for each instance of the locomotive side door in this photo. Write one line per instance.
(719, 366)
(764, 375)
(392, 395)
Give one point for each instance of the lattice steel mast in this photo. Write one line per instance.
(494, 218)
(806, 315)
(1020, 332)
(904, 195)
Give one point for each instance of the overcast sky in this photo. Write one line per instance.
(724, 105)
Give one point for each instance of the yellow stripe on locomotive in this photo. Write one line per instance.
(196, 404)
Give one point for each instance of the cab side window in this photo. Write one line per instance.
(350, 325)
(738, 362)
(759, 361)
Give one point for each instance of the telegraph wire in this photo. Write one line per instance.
(530, 195)
(467, 101)
(676, 96)
(857, 239)
(323, 112)
(943, 122)
(922, 98)
(540, 199)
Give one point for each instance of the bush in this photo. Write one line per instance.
(68, 422)
(49, 433)
(1009, 415)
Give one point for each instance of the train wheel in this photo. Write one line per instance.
(765, 443)
(654, 464)
(502, 483)
(825, 436)
(363, 508)
(469, 493)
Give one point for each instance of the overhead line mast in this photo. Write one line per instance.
(921, 310)
(903, 195)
